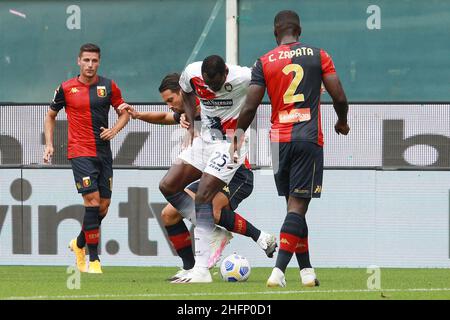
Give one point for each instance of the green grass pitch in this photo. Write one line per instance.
(51, 283)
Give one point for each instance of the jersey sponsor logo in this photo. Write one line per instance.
(318, 189)
(218, 103)
(228, 87)
(86, 182)
(226, 189)
(101, 91)
(74, 90)
(294, 115)
(110, 183)
(284, 241)
(78, 185)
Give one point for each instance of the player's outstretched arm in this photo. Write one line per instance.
(151, 116)
(49, 127)
(340, 104)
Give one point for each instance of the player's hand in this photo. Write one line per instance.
(107, 133)
(131, 111)
(234, 151)
(341, 127)
(183, 121)
(48, 154)
(188, 138)
(235, 147)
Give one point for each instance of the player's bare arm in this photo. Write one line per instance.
(253, 100)
(49, 126)
(152, 116)
(110, 133)
(340, 104)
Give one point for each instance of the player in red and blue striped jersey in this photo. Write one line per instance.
(87, 99)
(293, 73)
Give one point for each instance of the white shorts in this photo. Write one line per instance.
(213, 158)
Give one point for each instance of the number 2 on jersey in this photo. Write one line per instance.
(289, 95)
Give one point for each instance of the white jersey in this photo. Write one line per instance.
(219, 110)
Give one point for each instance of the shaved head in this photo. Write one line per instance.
(287, 22)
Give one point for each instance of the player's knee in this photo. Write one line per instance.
(219, 202)
(104, 208)
(217, 212)
(91, 199)
(298, 205)
(166, 187)
(203, 196)
(170, 216)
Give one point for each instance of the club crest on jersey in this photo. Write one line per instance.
(228, 87)
(101, 91)
(86, 182)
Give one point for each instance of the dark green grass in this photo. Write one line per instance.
(41, 282)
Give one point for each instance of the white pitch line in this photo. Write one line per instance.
(205, 32)
(171, 295)
(17, 13)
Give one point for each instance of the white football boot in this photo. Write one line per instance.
(268, 243)
(276, 279)
(308, 277)
(180, 273)
(195, 275)
(220, 238)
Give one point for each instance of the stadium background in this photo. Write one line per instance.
(386, 193)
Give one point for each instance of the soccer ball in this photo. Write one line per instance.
(235, 268)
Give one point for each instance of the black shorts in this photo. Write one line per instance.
(93, 174)
(239, 188)
(300, 168)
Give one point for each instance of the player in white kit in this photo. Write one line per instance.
(221, 90)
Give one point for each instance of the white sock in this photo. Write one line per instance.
(203, 234)
(202, 238)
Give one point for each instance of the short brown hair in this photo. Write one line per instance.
(170, 82)
(89, 47)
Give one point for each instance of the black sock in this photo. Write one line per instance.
(180, 238)
(292, 230)
(303, 260)
(91, 231)
(302, 250)
(81, 240)
(234, 222)
(100, 218)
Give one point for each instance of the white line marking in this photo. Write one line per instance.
(205, 32)
(268, 292)
(17, 13)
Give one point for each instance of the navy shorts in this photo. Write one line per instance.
(93, 174)
(239, 188)
(299, 171)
